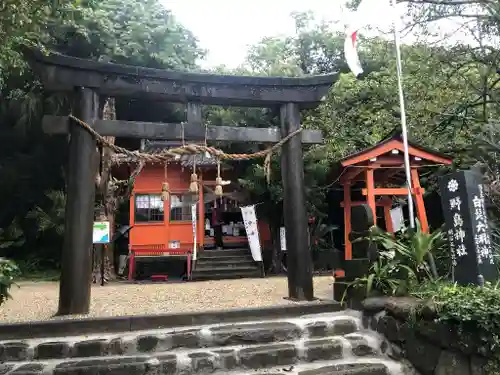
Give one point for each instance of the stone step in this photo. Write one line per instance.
(227, 273)
(350, 349)
(239, 257)
(225, 252)
(165, 365)
(216, 263)
(161, 340)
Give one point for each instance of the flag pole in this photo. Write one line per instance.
(404, 129)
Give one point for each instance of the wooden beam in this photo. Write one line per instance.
(382, 203)
(393, 191)
(192, 132)
(350, 174)
(63, 73)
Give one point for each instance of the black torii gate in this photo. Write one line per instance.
(88, 79)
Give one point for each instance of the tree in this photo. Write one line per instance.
(135, 32)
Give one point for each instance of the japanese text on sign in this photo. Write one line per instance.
(456, 235)
(481, 237)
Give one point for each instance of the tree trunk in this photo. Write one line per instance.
(106, 203)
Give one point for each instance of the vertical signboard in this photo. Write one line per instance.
(464, 209)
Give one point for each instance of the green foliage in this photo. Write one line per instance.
(320, 235)
(413, 248)
(404, 260)
(31, 163)
(8, 272)
(474, 311)
(51, 219)
(384, 277)
(12, 236)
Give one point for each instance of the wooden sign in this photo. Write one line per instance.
(464, 209)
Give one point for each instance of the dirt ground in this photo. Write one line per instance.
(38, 300)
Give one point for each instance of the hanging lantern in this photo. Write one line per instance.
(218, 187)
(165, 191)
(193, 186)
(218, 182)
(165, 187)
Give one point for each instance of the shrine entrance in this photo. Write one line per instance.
(88, 81)
(378, 172)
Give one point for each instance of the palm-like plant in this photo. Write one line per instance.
(319, 233)
(11, 236)
(413, 247)
(383, 277)
(53, 218)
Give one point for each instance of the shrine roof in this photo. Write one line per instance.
(63, 73)
(185, 160)
(395, 142)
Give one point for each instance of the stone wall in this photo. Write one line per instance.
(433, 348)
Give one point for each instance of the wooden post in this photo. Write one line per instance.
(300, 281)
(347, 221)
(419, 201)
(74, 290)
(370, 193)
(201, 213)
(388, 219)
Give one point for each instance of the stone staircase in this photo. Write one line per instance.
(317, 344)
(215, 264)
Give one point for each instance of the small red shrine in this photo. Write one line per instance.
(378, 167)
(164, 227)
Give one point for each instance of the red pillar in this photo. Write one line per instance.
(347, 221)
(201, 212)
(388, 220)
(419, 200)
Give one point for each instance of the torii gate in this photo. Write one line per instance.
(378, 165)
(86, 80)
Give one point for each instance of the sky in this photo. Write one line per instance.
(227, 27)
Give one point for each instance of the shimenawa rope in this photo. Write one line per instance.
(189, 149)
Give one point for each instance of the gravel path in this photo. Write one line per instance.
(38, 301)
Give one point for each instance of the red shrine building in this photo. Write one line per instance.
(379, 172)
(163, 228)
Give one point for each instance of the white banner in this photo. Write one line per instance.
(250, 221)
(193, 218)
(397, 219)
(283, 238)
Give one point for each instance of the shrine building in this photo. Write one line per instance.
(162, 227)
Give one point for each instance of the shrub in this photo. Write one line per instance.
(475, 311)
(403, 260)
(8, 272)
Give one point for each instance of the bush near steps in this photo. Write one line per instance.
(449, 330)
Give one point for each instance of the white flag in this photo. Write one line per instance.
(250, 222)
(362, 17)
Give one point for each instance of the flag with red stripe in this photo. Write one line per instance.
(362, 17)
